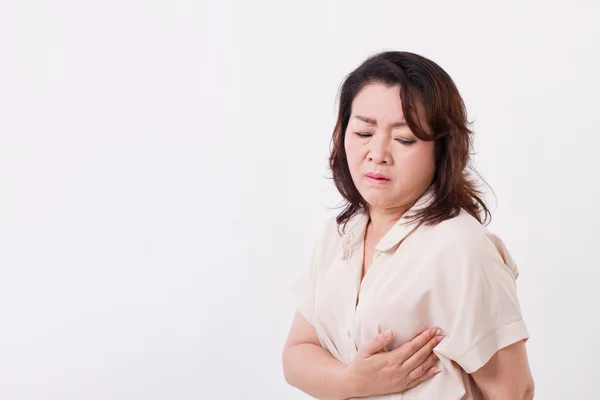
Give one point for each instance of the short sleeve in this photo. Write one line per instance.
(303, 289)
(478, 293)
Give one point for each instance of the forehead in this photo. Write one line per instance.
(378, 101)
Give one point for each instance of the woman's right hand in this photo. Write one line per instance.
(374, 372)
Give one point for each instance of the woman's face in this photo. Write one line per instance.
(390, 166)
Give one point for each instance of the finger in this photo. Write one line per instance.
(431, 372)
(422, 368)
(377, 344)
(408, 349)
(417, 358)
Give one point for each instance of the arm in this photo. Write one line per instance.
(506, 376)
(311, 368)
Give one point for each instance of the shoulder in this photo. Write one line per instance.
(333, 234)
(462, 233)
(465, 237)
(329, 239)
(330, 232)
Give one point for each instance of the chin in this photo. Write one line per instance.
(378, 200)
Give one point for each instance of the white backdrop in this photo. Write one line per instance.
(159, 158)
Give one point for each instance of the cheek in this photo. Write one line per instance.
(425, 156)
(349, 142)
(428, 161)
(421, 160)
(352, 153)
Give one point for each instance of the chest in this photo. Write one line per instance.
(368, 254)
(371, 291)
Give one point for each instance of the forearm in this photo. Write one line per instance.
(316, 372)
(506, 376)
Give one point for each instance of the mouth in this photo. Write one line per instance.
(377, 179)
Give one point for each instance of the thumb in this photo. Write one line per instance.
(377, 344)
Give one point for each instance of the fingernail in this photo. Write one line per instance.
(387, 334)
(439, 332)
(436, 370)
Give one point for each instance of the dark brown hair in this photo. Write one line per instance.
(420, 80)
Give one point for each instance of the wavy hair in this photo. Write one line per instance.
(423, 81)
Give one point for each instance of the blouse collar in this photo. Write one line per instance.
(357, 225)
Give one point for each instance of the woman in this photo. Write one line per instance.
(408, 252)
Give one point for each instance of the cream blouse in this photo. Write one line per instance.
(455, 275)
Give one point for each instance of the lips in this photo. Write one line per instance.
(377, 178)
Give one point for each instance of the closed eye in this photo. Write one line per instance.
(405, 142)
(402, 141)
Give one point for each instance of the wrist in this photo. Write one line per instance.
(351, 384)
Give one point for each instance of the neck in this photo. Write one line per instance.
(381, 221)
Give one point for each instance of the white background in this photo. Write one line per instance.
(163, 179)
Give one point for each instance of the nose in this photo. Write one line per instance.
(378, 151)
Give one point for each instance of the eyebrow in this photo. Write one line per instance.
(374, 122)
